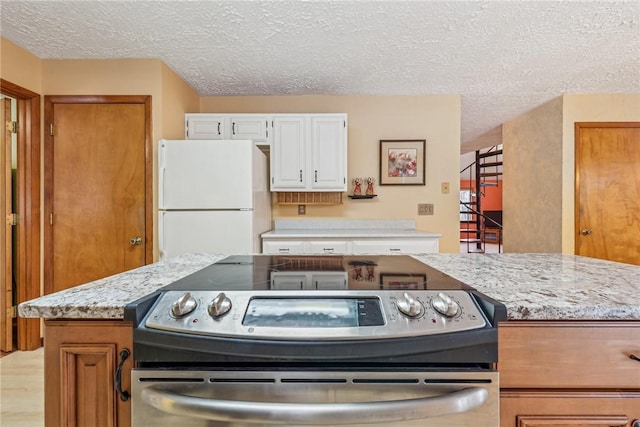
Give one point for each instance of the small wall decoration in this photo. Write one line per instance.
(369, 191)
(357, 186)
(402, 162)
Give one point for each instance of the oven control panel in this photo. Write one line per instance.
(316, 315)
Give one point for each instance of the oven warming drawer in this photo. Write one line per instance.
(190, 398)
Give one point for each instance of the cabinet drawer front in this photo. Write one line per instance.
(249, 128)
(570, 409)
(203, 126)
(327, 247)
(395, 247)
(569, 354)
(283, 248)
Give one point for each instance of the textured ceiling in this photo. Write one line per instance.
(503, 57)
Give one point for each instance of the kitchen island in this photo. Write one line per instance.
(565, 354)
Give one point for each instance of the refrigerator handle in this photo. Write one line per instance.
(161, 170)
(161, 235)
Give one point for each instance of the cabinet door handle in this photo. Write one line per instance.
(218, 128)
(124, 395)
(233, 128)
(283, 249)
(316, 175)
(327, 249)
(300, 175)
(394, 249)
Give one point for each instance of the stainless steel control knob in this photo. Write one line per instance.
(219, 306)
(183, 305)
(410, 306)
(445, 305)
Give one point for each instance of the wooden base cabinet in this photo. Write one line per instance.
(569, 373)
(81, 362)
(570, 409)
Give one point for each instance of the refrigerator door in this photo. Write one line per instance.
(206, 174)
(217, 232)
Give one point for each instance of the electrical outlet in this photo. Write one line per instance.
(425, 208)
(445, 187)
(302, 209)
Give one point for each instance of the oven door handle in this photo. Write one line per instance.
(315, 413)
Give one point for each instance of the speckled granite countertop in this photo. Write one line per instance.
(532, 286)
(549, 286)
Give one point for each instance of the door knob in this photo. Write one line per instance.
(586, 231)
(134, 241)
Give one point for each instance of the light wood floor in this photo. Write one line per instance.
(22, 389)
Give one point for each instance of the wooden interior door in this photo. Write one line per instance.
(6, 234)
(97, 189)
(607, 215)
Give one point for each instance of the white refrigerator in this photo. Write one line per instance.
(212, 197)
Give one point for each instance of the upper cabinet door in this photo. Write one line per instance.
(252, 127)
(329, 152)
(288, 154)
(204, 126)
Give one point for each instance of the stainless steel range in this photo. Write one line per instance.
(323, 340)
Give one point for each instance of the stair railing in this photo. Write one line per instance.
(474, 207)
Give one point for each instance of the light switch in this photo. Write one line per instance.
(445, 188)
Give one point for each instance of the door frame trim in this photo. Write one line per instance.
(49, 101)
(28, 209)
(578, 126)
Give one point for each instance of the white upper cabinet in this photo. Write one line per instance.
(228, 126)
(204, 126)
(250, 126)
(288, 153)
(328, 147)
(309, 153)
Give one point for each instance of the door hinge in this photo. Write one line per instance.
(12, 126)
(12, 219)
(50, 129)
(186, 130)
(12, 312)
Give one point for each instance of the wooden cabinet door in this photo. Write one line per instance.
(328, 153)
(571, 421)
(81, 360)
(288, 154)
(204, 126)
(569, 409)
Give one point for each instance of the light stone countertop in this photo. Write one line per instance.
(347, 229)
(532, 286)
(348, 234)
(549, 286)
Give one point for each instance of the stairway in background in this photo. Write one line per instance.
(478, 226)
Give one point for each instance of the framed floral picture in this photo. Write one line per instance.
(402, 162)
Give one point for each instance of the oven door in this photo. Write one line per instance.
(190, 398)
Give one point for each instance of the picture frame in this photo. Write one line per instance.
(401, 281)
(402, 162)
